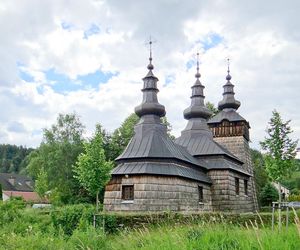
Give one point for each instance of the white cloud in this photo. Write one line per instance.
(261, 38)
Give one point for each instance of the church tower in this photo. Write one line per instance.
(231, 130)
(224, 168)
(153, 173)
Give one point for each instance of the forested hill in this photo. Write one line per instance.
(12, 158)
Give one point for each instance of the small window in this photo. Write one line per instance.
(237, 186)
(200, 192)
(127, 192)
(246, 187)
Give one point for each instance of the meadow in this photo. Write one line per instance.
(70, 227)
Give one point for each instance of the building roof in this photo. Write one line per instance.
(16, 182)
(197, 138)
(154, 142)
(203, 145)
(161, 168)
(27, 196)
(151, 142)
(229, 115)
(221, 162)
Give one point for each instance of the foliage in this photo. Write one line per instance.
(268, 194)
(41, 183)
(69, 227)
(281, 150)
(294, 197)
(71, 217)
(293, 182)
(212, 108)
(260, 174)
(88, 239)
(92, 170)
(12, 158)
(58, 152)
(9, 210)
(122, 135)
(1, 196)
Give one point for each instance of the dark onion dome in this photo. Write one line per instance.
(150, 104)
(197, 108)
(151, 151)
(228, 102)
(197, 138)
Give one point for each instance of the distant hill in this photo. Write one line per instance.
(12, 158)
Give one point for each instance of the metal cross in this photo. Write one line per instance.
(228, 64)
(150, 42)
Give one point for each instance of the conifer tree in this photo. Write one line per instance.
(280, 151)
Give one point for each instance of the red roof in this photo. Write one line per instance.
(27, 196)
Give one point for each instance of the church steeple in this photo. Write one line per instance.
(197, 108)
(228, 102)
(150, 104)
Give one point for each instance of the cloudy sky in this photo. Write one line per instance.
(88, 57)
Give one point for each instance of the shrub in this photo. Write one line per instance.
(70, 217)
(9, 210)
(294, 197)
(268, 194)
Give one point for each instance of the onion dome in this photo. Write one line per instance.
(197, 108)
(150, 104)
(228, 102)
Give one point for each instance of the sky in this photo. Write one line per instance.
(89, 57)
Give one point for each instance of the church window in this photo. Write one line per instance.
(237, 186)
(127, 192)
(246, 187)
(200, 192)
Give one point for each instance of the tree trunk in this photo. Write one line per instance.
(97, 202)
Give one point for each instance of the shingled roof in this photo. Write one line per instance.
(16, 182)
(151, 151)
(197, 138)
(229, 115)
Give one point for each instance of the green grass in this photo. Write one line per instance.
(209, 236)
(70, 227)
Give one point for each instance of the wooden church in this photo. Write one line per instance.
(208, 168)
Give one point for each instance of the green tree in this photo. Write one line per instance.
(212, 108)
(92, 170)
(12, 158)
(122, 135)
(260, 174)
(280, 149)
(268, 194)
(41, 183)
(58, 152)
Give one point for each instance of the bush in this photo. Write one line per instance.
(268, 194)
(9, 210)
(294, 197)
(71, 217)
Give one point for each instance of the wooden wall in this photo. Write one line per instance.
(157, 193)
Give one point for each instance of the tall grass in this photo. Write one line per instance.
(70, 228)
(207, 236)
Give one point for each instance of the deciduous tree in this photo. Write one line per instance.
(92, 170)
(57, 153)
